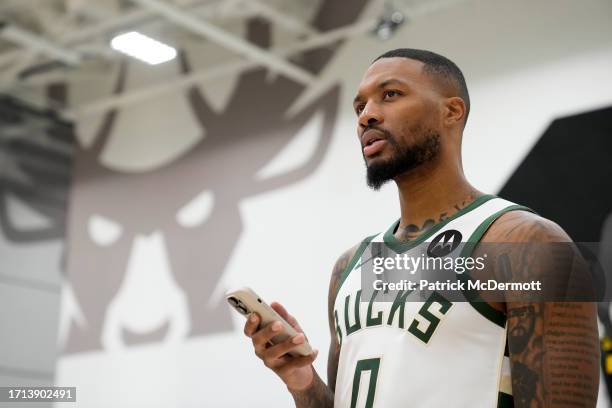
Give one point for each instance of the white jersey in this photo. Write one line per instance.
(433, 353)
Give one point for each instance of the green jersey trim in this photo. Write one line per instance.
(346, 272)
(399, 246)
(505, 401)
(492, 314)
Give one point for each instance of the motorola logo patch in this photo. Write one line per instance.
(444, 244)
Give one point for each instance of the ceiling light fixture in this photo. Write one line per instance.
(144, 48)
(389, 22)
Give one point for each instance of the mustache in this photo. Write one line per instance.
(388, 135)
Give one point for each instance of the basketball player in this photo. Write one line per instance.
(411, 107)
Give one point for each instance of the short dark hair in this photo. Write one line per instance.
(439, 67)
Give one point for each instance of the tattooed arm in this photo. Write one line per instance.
(318, 394)
(554, 349)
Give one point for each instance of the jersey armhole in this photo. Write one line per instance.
(346, 271)
(481, 306)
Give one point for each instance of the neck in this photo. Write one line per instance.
(431, 193)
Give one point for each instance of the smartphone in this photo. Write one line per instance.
(246, 301)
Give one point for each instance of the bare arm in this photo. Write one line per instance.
(318, 394)
(553, 345)
(298, 374)
(555, 364)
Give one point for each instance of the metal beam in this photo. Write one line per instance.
(138, 95)
(35, 42)
(227, 40)
(235, 67)
(279, 18)
(203, 75)
(127, 19)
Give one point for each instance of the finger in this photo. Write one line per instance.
(251, 325)
(277, 351)
(280, 309)
(298, 362)
(263, 336)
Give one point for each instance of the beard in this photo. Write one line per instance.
(403, 158)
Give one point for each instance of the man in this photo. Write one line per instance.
(412, 106)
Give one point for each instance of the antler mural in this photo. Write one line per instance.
(126, 302)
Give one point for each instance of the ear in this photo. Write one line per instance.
(454, 111)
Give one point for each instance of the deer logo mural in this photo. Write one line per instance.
(184, 213)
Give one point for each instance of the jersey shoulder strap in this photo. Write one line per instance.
(354, 259)
(470, 222)
(475, 224)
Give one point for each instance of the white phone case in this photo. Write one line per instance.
(246, 301)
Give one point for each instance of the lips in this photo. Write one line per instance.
(372, 141)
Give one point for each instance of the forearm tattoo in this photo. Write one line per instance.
(553, 345)
(318, 395)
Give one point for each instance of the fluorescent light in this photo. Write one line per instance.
(143, 48)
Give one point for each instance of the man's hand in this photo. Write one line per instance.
(295, 371)
(306, 387)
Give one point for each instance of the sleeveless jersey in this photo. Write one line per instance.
(433, 353)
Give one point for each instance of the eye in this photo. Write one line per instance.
(103, 231)
(359, 108)
(390, 93)
(196, 211)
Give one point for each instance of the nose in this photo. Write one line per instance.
(370, 115)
